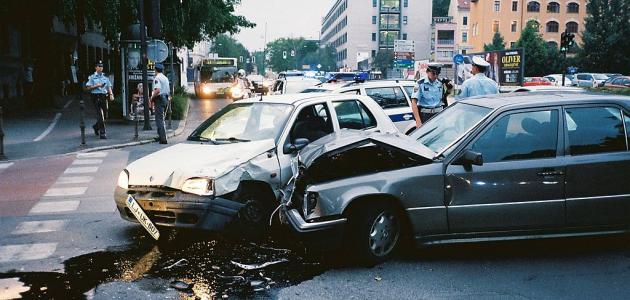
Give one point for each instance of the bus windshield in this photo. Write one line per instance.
(216, 74)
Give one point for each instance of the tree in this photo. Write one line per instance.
(497, 43)
(384, 60)
(535, 50)
(440, 8)
(306, 52)
(226, 46)
(605, 41)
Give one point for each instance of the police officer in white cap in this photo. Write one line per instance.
(479, 84)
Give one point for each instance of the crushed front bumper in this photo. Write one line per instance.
(325, 234)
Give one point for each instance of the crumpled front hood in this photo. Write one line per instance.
(348, 139)
(172, 166)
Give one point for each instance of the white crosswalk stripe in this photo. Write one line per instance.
(87, 162)
(92, 155)
(54, 207)
(12, 253)
(73, 179)
(39, 227)
(5, 165)
(62, 192)
(81, 170)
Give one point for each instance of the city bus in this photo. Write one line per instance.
(214, 77)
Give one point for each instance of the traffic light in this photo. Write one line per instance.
(566, 41)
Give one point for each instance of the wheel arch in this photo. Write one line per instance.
(370, 199)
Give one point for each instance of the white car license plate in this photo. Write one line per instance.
(137, 211)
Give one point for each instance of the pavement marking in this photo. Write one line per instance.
(54, 207)
(92, 155)
(81, 170)
(49, 129)
(5, 165)
(74, 179)
(62, 192)
(87, 162)
(67, 104)
(12, 253)
(39, 227)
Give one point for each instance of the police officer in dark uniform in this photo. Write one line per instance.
(100, 92)
(429, 96)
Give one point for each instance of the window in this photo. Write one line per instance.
(497, 5)
(573, 8)
(405, 20)
(388, 97)
(512, 44)
(353, 115)
(517, 136)
(390, 21)
(553, 7)
(572, 27)
(464, 51)
(464, 37)
(595, 130)
(514, 5)
(406, 3)
(312, 123)
(513, 26)
(552, 26)
(373, 3)
(495, 26)
(352, 92)
(533, 6)
(404, 36)
(373, 19)
(373, 36)
(373, 53)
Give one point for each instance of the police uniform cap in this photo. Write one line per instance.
(99, 63)
(159, 67)
(478, 61)
(434, 68)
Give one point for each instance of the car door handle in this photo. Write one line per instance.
(550, 173)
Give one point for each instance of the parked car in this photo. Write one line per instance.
(535, 81)
(260, 84)
(556, 79)
(541, 88)
(589, 80)
(501, 167)
(236, 161)
(618, 82)
(613, 75)
(292, 85)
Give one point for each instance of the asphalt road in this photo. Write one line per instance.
(62, 237)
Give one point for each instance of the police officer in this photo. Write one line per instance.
(100, 91)
(161, 92)
(479, 84)
(429, 95)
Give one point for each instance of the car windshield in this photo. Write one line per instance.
(448, 126)
(315, 90)
(600, 76)
(244, 122)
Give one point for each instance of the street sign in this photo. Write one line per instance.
(404, 63)
(405, 55)
(157, 51)
(292, 53)
(571, 70)
(458, 59)
(284, 54)
(404, 46)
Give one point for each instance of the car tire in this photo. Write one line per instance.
(375, 231)
(253, 218)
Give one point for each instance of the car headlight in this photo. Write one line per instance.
(310, 202)
(206, 89)
(199, 186)
(123, 180)
(236, 91)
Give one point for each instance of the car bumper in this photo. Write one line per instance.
(326, 234)
(208, 214)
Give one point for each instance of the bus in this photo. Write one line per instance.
(214, 77)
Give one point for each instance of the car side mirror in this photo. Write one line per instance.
(297, 145)
(470, 157)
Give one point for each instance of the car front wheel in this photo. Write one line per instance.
(376, 230)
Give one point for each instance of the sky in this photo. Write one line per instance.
(284, 18)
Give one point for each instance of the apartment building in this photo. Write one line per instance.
(443, 46)
(459, 10)
(509, 17)
(359, 30)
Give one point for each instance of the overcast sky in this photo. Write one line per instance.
(284, 18)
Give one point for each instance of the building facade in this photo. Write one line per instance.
(358, 29)
(460, 11)
(509, 17)
(443, 46)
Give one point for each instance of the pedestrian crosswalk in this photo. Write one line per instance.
(62, 199)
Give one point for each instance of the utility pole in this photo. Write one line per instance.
(145, 62)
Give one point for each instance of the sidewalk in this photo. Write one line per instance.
(54, 132)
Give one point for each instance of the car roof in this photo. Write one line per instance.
(548, 98)
(296, 99)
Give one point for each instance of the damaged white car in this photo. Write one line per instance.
(235, 162)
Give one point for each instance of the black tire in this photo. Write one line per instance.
(375, 231)
(253, 219)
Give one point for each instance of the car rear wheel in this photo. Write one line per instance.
(376, 231)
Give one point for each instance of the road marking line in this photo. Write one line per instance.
(67, 104)
(62, 192)
(87, 162)
(54, 207)
(13, 253)
(39, 227)
(92, 155)
(49, 129)
(74, 179)
(5, 165)
(81, 170)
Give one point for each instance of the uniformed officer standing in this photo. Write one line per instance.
(161, 92)
(479, 84)
(429, 95)
(100, 91)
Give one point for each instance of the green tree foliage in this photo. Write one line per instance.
(536, 63)
(440, 8)
(226, 46)
(606, 38)
(497, 43)
(306, 52)
(384, 60)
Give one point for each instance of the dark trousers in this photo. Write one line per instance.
(424, 117)
(101, 105)
(161, 104)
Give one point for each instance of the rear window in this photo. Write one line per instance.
(388, 97)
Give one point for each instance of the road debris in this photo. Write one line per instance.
(259, 266)
(180, 285)
(181, 262)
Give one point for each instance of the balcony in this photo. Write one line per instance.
(385, 26)
(390, 9)
(446, 42)
(440, 20)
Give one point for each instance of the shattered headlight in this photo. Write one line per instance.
(123, 179)
(310, 202)
(199, 186)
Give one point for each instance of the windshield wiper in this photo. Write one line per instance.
(199, 138)
(231, 139)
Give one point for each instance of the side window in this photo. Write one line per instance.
(626, 118)
(409, 90)
(582, 77)
(387, 97)
(626, 82)
(528, 135)
(312, 123)
(595, 130)
(352, 114)
(352, 92)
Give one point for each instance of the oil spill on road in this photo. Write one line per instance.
(193, 264)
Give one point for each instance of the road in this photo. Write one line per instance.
(63, 238)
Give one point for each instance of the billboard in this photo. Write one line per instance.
(506, 66)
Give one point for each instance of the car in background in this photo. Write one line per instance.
(556, 79)
(234, 163)
(589, 80)
(292, 85)
(541, 88)
(619, 82)
(534, 81)
(346, 76)
(491, 168)
(613, 75)
(259, 83)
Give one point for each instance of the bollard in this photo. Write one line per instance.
(1, 137)
(82, 123)
(170, 112)
(137, 119)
